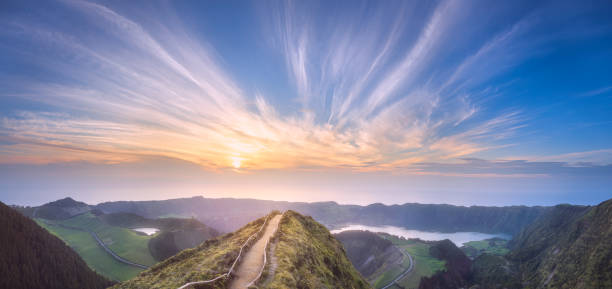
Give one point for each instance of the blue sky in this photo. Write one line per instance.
(479, 102)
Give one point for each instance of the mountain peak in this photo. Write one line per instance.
(65, 202)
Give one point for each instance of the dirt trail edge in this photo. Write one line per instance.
(253, 260)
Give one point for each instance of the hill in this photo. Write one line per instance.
(57, 210)
(306, 256)
(208, 260)
(33, 258)
(227, 214)
(567, 248)
(371, 254)
(85, 231)
(457, 271)
(175, 234)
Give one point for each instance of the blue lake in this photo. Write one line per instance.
(458, 237)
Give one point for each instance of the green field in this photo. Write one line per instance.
(176, 216)
(391, 274)
(124, 242)
(425, 264)
(495, 246)
(97, 259)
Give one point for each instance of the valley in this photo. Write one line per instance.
(143, 252)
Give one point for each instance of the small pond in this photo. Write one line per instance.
(147, 231)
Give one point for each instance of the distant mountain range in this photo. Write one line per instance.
(229, 214)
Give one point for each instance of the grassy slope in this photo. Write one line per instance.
(568, 248)
(95, 257)
(495, 246)
(31, 257)
(425, 264)
(124, 242)
(310, 257)
(376, 258)
(209, 260)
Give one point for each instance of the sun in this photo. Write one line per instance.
(236, 162)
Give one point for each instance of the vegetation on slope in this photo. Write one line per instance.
(493, 246)
(210, 259)
(33, 258)
(568, 248)
(115, 230)
(124, 242)
(371, 254)
(176, 234)
(458, 267)
(494, 272)
(57, 210)
(96, 258)
(309, 256)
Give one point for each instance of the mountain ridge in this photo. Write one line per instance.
(34, 258)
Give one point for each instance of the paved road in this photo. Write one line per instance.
(253, 260)
(401, 276)
(108, 250)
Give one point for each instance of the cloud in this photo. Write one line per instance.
(479, 168)
(135, 91)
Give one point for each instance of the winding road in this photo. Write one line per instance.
(252, 263)
(401, 276)
(101, 244)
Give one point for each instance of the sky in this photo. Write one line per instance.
(459, 102)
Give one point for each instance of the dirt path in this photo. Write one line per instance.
(253, 260)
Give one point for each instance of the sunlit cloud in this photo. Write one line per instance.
(155, 90)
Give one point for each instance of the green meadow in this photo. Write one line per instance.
(425, 265)
(494, 246)
(124, 242)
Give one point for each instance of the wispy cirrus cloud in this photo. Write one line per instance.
(372, 98)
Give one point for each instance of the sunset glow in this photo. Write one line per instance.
(428, 98)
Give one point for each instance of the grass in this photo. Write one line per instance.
(95, 257)
(207, 261)
(495, 246)
(309, 257)
(425, 264)
(166, 216)
(391, 274)
(124, 242)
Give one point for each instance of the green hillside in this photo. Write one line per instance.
(426, 264)
(308, 256)
(493, 246)
(210, 259)
(96, 258)
(568, 248)
(33, 258)
(124, 242)
(115, 231)
(376, 257)
(373, 256)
